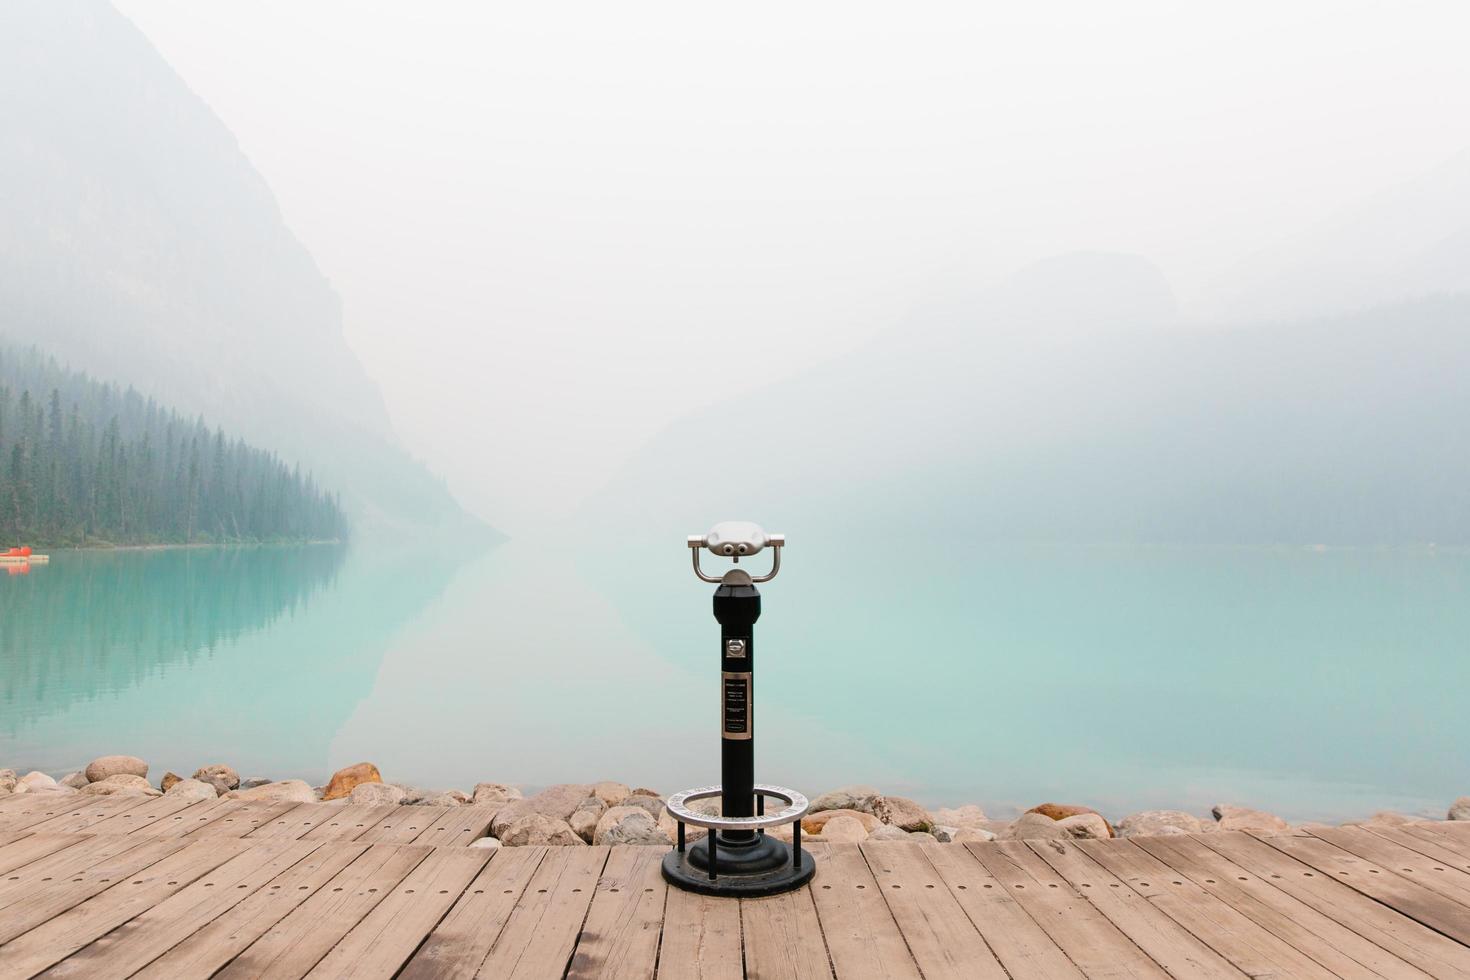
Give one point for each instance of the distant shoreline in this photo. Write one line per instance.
(194, 545)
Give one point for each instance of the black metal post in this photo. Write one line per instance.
(737, 607)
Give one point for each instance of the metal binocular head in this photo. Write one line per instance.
(736, 540)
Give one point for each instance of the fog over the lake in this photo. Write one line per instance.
(558, 229)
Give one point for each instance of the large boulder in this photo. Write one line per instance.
(1152, 823)
(1460, 809)
(122, 783)
(584, 819)
(1230, 817)
(191, 789)
(903, 813)
(375, 794)
(628, 825)
(35, 780)
(859, 798)
(557, 802)
(610, 793)
(653, 804)
(450, 797)
(1085, 826)
(344, 781)
(813, 823)
(539, 829)
(494, 794)
(845, 830)
(969, 815)
(115, 765)
(284, 791)
(219, 775)
(1035, 826)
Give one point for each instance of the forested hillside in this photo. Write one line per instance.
(86, 462)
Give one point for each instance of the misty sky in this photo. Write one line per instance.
(557, 227)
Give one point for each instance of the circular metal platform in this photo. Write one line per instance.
(753, 865)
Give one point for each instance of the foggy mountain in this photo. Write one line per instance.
(139, 244)
(1051, 410)
(1404, 242)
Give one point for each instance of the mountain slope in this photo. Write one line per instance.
(138, 243)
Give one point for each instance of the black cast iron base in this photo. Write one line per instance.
(760, 866)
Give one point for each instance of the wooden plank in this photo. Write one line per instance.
(701, 939)
(292, 822)
(300, 940)
(1435, 848)
(193, 819)
(1400, 935)
(1166, 942)
(140, 818)
(1096, 946)
(1442, 834)
(862, 937)
(1235, 937)
(137, 942)
(58, 864)
(943, 941)
(1022, 946)
(619, 940)
(1377, 882)
(50, 894)
(349, 822)
(214, 945)
(1439, 877)
(25, 848)
(388, 935)
(458, 826)
(539, 937)
(64, 934)
(403, 825)
(1333, 945)
(78, 814)
(783, 938)
(459, 944)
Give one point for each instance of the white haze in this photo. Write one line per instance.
(556, 228)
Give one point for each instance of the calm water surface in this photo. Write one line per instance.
(1319, 685)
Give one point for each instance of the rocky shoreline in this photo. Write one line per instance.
(578, 814)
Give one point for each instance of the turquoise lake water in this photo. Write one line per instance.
(1320, 685)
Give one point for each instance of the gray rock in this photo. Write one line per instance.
(122, 783)
(218, 775)
(254, 782)
(285, 790)
(944, 834)
(491, 794)
(539, 829)
(557, 802)
(450, 797)
(1460, 809)
(1086, 826)
(967, 835)
(192, 789)
(115, 765)
(860, 798)
(902, 813)
(652, 804)
(1230, 817)
(584, 823)
(923, 837)
(887, 832)
(628, 825)
(1149, 823)
(1035, 826)
(375, 794)
(75, 780)
(610, 793)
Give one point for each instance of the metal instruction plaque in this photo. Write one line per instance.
(735, 705)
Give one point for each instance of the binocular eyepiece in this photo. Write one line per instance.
(736, 540)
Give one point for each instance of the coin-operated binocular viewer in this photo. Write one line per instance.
(737, 857)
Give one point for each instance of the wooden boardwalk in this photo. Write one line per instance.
(119, 887)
